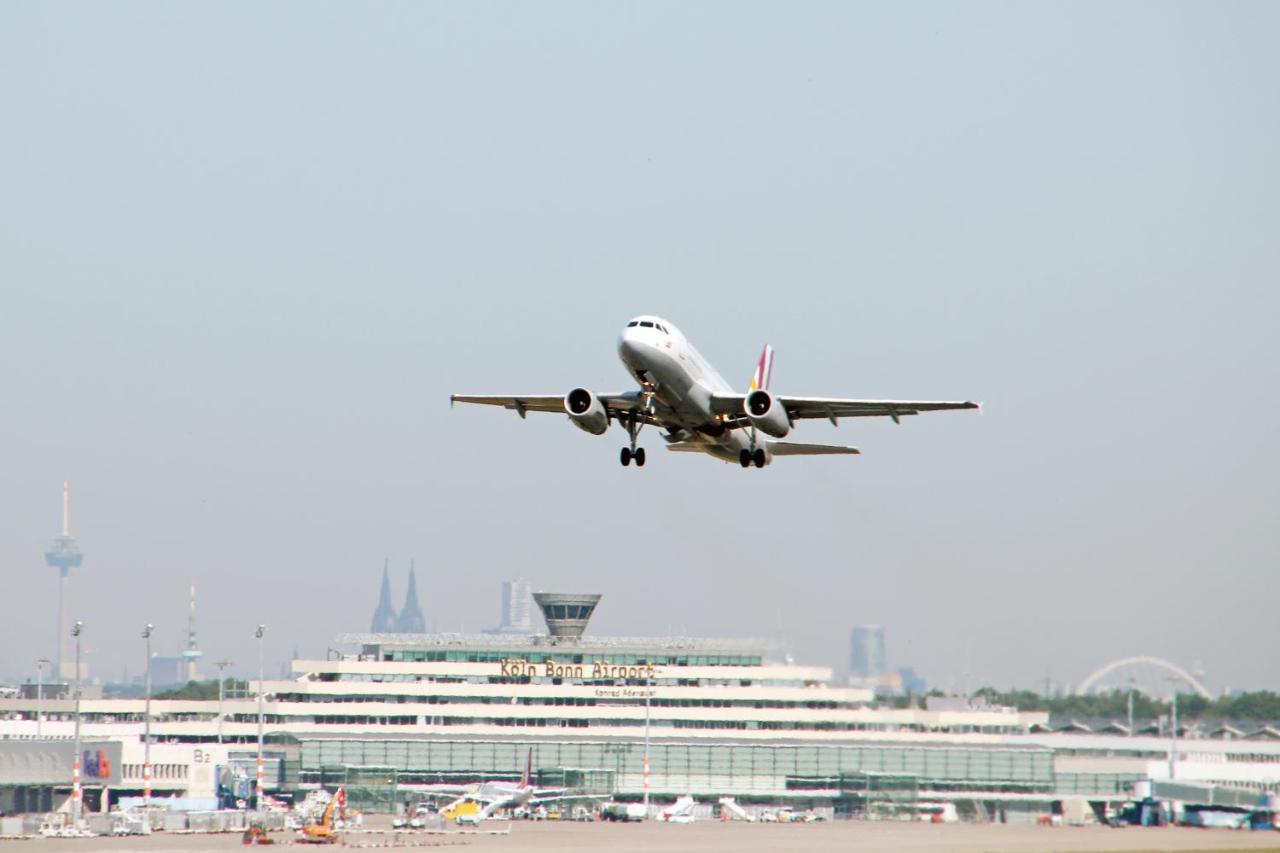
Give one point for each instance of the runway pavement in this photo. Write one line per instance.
(712, 837)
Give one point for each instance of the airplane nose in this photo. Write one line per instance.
(629, 348)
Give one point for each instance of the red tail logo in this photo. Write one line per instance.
(526, 781)
(764, 370)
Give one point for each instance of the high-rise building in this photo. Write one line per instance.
(411, 620)
(384, 618)
(866, 652)
(517, 608)
(912, 683)
(64, 555)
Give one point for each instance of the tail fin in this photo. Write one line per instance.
(764, 370)
(526, 781)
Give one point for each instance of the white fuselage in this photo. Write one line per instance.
(505, 792)
(494, 796)
(662, 360)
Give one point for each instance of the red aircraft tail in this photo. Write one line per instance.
(526, 781)
(764, 370)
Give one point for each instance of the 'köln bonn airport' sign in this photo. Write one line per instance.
(519, 668)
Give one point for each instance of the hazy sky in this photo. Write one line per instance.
(248, 250)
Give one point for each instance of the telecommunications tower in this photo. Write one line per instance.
(191, 654)
(64, 555)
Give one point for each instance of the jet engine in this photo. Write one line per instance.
(586, 411)
(766, 415)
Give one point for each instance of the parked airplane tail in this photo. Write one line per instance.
(764, 370)
(526, 781)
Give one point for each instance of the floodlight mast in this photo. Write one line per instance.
(76, 791)
(40, 665)
(222, 683)
(647, 691)
(146, 730)
(260, 633)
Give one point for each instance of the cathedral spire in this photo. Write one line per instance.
(384, 618)
(411, 621)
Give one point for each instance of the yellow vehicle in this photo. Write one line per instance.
(463, 809)
(322, 831)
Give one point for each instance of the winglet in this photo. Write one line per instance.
(764, 370)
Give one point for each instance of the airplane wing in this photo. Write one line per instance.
(790, 448)
(537, 801)
(441, 791)
(615, 403)
(834, 408)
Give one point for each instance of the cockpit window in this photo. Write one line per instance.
(646, 324)
(661, 328)
(633, 323)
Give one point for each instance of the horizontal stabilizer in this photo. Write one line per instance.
(788, 448)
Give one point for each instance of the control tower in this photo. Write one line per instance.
(567, 614)
(64, 555)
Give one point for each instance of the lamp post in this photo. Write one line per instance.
(262, 630)
(76, 793)
(40, 665)
(647, 691)
(146, 724)
(222, 683)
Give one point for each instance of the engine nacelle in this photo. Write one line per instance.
(586, 411)
(766, 415)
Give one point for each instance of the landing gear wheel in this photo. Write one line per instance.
(625, 457)
(758, 457)
(639, 455)
(744, 458)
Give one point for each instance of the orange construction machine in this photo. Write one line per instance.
(322, 831)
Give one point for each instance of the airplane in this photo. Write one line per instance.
(494, 796)
(681, 393)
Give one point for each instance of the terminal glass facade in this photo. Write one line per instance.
(746, 770)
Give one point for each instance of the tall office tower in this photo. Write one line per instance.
(411, 620)
(866, 652)
(64, 555)
(384, 618)
(517, 607)
(191, 653)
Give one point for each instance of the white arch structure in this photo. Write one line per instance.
(1171, 668)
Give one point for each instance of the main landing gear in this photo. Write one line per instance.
(747, 458)
(628, 454)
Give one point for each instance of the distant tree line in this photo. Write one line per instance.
(1259, 705)
(204, 690)
(190, 690)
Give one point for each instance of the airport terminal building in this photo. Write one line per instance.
(385, 714)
